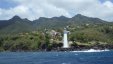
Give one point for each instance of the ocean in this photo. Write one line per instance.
(104, 57)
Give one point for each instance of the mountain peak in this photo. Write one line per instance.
(79, 15)
(16, 17)
(63, 16)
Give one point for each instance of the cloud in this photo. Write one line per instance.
(50, 8)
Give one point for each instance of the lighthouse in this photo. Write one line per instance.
(65, 39)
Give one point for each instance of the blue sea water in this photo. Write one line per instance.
(56, 57)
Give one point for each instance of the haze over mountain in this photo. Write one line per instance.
(17, 24)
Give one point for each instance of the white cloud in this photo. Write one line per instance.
(50, 8)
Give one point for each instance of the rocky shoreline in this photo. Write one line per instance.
(80, 48)
(72, 48)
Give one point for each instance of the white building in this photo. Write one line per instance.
(65, 39)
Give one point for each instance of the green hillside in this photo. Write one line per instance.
(18, 34)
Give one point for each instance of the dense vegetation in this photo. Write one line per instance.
(18, 34)
(84, 35)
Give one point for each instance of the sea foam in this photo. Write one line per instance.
(92, 50)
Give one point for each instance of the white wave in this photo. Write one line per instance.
(76, 54)
(92, 50)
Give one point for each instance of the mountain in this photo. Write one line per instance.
(63, 21)
(51, 22)
(84, 19)
(17, 24)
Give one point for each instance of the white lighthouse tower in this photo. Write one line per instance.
(65, 40)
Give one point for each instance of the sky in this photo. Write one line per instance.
(33, 9)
